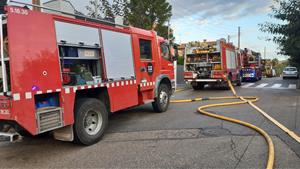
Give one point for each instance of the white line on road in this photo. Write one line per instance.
(276, 85)
(248, 85)
(262, 85)
(292, 86)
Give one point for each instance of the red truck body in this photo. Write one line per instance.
(211, 62)
(35, 67)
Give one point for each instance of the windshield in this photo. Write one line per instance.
(290, 69)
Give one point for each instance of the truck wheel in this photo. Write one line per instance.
(161, 103)
(1, 127)
(91, 119)
(198, 86)
(4, 127)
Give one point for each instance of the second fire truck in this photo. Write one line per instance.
(251, 65)
(211, 63)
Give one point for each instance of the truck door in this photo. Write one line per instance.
(167, 66)
(147, 64)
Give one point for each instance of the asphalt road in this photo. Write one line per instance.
(178, 138)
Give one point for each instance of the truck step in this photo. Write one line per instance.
(9, 137)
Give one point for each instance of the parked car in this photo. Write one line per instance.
(290, 72)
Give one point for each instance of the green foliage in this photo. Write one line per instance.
(145, 14)
(100, 9)
(148, 14)
(180, 60)
(275, 62)
(280, 66)
(286, 33)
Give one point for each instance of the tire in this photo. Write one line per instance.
(1, 127)
(23, 132)
(162, 101)
(4, 127)
(91, 120)
(199, 86)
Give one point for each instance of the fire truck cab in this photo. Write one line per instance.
(211, 63)
(66, 74)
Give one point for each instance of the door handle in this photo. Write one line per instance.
(143, 69)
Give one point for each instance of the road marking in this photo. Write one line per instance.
(262, 85)
(248, 85)
(276, 85)
(292, 86)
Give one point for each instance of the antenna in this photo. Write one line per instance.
(36, 2)
(239, 37)
(265, 52)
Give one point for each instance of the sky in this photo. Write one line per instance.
(195, 20)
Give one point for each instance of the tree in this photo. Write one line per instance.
(275, 62)
(100, 9)
(149, 14)
(120, 7)
(145, 14)
(286, 33)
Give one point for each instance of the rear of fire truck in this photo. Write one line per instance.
(5, 94)
(252, 67)
(210, 63)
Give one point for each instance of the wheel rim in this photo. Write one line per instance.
(92, 122)
(163, 98)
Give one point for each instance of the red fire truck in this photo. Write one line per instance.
(211, 63)
(67, 73)
(252, 67)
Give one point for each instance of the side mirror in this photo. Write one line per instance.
(175, 58)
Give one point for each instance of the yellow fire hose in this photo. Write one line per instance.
(244, 100)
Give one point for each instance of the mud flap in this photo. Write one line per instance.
(64, 134)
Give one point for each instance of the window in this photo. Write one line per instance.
(165, 52)
(230, 59)
(290, 69)
(145, 49)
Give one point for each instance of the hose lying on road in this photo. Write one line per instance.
(244, 100)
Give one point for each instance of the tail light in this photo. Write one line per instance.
(188, 74)
(5, 106)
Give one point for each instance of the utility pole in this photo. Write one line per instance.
(96, 8)
(239, 38)
(169, 31)
(38, 3)
(228, 38)
(265, 52)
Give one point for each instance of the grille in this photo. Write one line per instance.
(49, 119)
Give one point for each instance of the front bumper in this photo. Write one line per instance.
(290, 75)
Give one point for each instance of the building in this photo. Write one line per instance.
(67, 6)
(181, 49)
(61, 5)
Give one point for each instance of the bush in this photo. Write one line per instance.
(180, 60)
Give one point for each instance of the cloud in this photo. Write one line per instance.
(226, 9)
